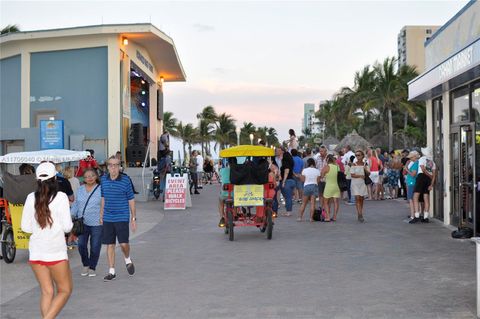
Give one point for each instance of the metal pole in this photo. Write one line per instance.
(477, 242)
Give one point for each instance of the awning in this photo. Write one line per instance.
(460, 68)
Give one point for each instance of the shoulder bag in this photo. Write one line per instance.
(78, 226)
(342, 181)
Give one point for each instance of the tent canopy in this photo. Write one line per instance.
(55, 156)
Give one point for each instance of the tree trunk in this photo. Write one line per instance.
(390, 130)
(336, 129)
(184, 153)
(405, 124)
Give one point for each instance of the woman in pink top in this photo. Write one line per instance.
(375, 165)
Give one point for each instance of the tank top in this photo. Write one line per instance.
(373, 164)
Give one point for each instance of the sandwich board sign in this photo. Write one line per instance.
(176, 191)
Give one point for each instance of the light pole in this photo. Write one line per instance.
(251, 139)
(266, 137)
(237, 130)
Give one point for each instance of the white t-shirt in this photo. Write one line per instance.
(428, 163)
(48, 244)
(311, 175)
(346, 157)
(200, 163)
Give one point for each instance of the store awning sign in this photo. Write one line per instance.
(51, 134)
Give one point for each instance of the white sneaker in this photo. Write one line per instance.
(92, 273)
(84, 272)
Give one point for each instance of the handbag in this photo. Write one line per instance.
(342, 181)
(368, 180)
(78, 226)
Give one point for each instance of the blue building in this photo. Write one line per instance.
(105, 82)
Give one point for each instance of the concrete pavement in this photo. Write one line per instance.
(187, 268)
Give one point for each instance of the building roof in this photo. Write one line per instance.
(160, 46)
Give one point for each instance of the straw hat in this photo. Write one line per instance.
(413, 154)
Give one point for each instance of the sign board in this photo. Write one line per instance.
(176, 192)
(248, 195)
(317, 140)
(51, 134)
(21, 238)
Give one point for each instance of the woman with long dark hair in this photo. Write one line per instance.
(46, 215)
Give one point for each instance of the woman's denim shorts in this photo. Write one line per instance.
(310, 190)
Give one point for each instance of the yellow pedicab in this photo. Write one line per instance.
(251, 185)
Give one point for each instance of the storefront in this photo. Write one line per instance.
(451, 89)
(105, 82)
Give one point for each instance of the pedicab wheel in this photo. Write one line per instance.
(269, 223)
(230, 224)
(8, 247)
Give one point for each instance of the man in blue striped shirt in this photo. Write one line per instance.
(117, 213)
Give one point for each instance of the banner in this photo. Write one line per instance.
(248, 195)
(176, 192)
(21, 238)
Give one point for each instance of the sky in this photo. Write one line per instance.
(259, 61)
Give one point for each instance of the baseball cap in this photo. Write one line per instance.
(45, 171)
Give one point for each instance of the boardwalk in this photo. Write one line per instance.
(186, 268)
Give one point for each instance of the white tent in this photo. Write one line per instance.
(55, 156)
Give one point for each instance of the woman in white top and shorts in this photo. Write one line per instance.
(46, 215)
(310, 177)
(358, 187)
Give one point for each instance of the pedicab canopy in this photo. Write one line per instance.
(247, 150)
(54, 155)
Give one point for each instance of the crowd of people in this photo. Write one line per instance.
(325, 177)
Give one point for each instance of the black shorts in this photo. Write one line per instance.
(422, 184)
(116, 230)
(321, 188)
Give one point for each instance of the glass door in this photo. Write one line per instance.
(463, 175)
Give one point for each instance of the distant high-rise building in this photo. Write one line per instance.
(411, 45)
(310, 123)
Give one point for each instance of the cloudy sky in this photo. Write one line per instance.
(259, 61)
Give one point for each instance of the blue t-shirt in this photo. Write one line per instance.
(116, 194)
(412, 179)
(91, 217)
(297, 165)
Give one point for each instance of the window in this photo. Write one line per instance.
(476, 105)
(428, 31)
(460, 105)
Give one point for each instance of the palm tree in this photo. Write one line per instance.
(10, 28)
(187, 133)
(247, 129)
(225, 133)
(387, 93)
(208, 118)
(170, 123)
(272, 137)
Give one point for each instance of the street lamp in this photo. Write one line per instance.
(251, 139)
(266, 137)
(237, 130)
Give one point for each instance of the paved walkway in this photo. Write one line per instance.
(187, 268)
